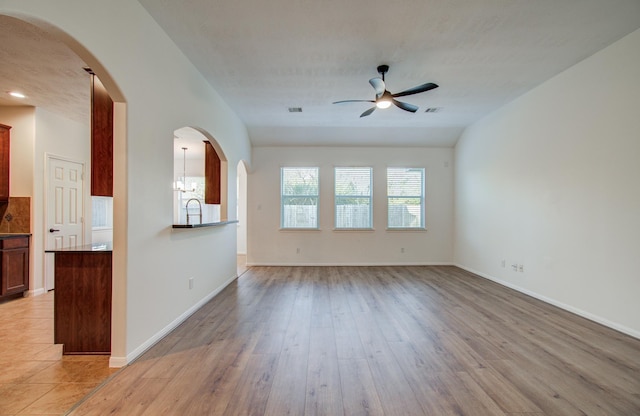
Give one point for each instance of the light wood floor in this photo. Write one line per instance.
(35, 379)
(374, 341)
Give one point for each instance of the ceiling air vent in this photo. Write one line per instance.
(433, 110)
(295, 109)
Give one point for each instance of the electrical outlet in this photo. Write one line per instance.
(514, 267)
(298, 250)
(402, 250)
(191, 283)
(521, 268)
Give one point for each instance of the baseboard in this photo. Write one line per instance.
(36, 292)
(122, 361)
(372, 264)
(117, 362)
(588, 315)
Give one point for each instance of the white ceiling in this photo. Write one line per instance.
(46, 70)
(263, 57)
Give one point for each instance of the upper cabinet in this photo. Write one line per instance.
(211, 174)
(101, 140)
(4, 163)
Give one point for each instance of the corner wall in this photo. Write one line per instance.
(268, 245)
(551, 182)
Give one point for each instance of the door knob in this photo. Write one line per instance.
(53, 230)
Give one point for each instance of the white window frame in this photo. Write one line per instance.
(421, 197)
(337, 198)
(284, 196)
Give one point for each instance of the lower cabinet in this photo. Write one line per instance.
(82, 304)
(14, 259)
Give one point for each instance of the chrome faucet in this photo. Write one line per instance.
(199, 209)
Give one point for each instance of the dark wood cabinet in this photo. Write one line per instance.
(4, 162)
(101, 140)
(212, 182)
(14, 267)
(82, 305)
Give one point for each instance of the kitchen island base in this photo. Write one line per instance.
(82, 302)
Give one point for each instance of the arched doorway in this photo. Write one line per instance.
(242, 174)
(45, 35)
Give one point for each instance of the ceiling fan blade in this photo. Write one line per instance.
(405, 106)
(353, 101)
(415, 90)
(369, 111)
(378, 85)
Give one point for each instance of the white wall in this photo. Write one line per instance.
(551, 181)
(35, 132)
(269, 245)
(57, 136)
(22, 144)
(242, 208)
(141, 66)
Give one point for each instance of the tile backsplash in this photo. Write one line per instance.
(15, 216)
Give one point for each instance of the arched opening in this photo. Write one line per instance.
(51, 126)
(241, 185)
(199, 178)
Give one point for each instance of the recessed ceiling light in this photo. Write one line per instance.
(17, 94)
(295, 109)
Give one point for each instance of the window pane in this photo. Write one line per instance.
(299, 197)
(353, 181)
(353, 197)
(300, 181)
(405, 195)
(102, 212)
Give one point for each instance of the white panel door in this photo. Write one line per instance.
(64, 206)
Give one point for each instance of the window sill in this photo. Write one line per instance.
(367, 230)
(299, 229)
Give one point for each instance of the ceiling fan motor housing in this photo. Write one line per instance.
(383, 69)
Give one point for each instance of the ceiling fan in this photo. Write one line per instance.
(384, 98)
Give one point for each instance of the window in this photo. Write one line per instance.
(299, 197)
(405, 197)
(102, 212)
(353, 198)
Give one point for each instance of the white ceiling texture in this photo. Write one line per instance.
(264, 57)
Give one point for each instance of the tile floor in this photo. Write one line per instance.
(35, 378)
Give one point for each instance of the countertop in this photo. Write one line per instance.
(105, 247)
(207, 224)
(13, 235)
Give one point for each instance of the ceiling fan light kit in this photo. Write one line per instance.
(384, 98)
